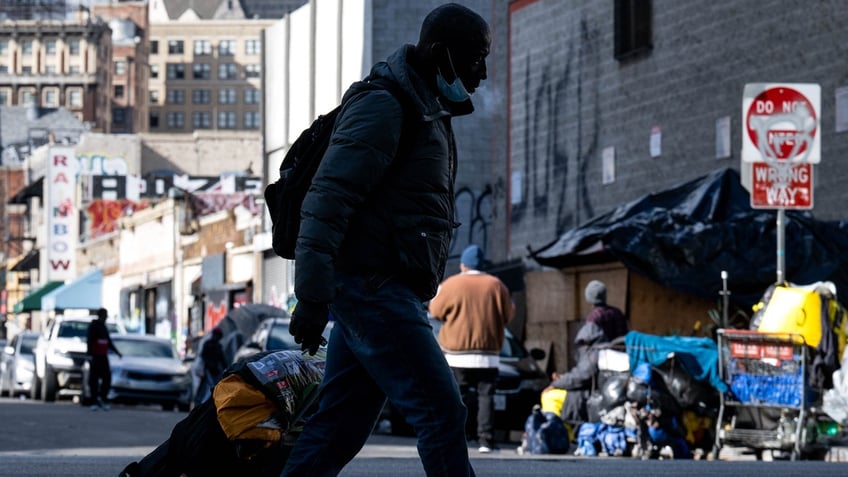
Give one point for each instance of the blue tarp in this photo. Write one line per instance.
(698, 356)
(684, 237)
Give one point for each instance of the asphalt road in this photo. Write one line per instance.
(41, 440)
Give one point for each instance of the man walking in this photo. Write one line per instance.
(475, 307)
(375, 228)
(100, 374)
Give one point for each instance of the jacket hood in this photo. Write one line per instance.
(397, 69)
(589, 334)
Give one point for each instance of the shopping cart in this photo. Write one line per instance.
(769, 405)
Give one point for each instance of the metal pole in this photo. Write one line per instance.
(781, 246)
(724, 298)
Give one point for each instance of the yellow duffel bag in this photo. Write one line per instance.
(794, 310)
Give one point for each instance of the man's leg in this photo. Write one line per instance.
(388, 331)
(486, 378)
(349, 404)
(93, 381)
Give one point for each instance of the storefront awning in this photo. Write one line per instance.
(32, 301)
(86, 292)
(36, 189)
(27, 263)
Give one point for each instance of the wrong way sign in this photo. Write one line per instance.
(788, 186)
(781, 122)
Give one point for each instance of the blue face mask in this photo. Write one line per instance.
(454, 92)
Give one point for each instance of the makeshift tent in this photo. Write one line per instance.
(684, 237)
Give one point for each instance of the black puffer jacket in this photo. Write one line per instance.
(368, 212)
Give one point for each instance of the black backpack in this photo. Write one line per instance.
(284, 197)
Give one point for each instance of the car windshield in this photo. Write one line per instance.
(73, 329)
(280, 338)
(512, 348)
(144, 349)
(28, 343)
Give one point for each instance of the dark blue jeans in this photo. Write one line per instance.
(382, 347)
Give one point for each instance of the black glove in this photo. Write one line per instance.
(307, 325)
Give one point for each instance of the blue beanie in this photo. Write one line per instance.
(472, 257)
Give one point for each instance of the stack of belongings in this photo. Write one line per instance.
(249, 425)
(656, 400)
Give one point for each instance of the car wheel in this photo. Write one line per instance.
(49, 385)
(184, 407)
(168, 406)
(35, 388)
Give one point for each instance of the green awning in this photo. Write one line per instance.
(32, 302)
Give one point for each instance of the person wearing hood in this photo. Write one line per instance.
(376, 227)
(579, 380)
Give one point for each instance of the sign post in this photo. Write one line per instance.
(780, 143)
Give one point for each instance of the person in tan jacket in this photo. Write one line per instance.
(474, 308)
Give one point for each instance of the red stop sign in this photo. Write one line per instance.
(782, 122)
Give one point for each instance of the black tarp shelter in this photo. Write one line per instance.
(684, 237)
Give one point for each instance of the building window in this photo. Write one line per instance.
(252, 47)
(201, 96)
(251, 120)
(154, 47)
(50, 47)
(154, 96)
(26, 96)
(202, 47)
(201, 120)
(26, 47)
(201, 71)
(4, 47)
(51, 98)
(252, 71)
(27, 70)
(74, 70)
(154, 71)
(175, 47)
(119, 91)
(632, 27)
(227, 71)
(75, 98)
(74, 47)
(226, 120)
(176, 71)
(4, 97)
(119, 115)
(176, 119)
(227, 96)
(226, 47)
(251, 96)
(153, 119)
(120, 67)
(50, 69)
(175, 96)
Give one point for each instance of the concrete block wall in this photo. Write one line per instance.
(570, 98)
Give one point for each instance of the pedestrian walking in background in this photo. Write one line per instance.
(100, 374)
(214, 363)
(375, 229)
(475, 307)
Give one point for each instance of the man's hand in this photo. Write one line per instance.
(307, 324)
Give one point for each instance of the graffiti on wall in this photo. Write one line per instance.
(560, 134)
(103, 215)
(476, 212)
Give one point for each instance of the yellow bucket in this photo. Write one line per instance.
(794, 310)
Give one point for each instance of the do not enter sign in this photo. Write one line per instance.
(781, 123)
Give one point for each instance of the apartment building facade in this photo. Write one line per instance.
(58, 64)
(205, 68)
